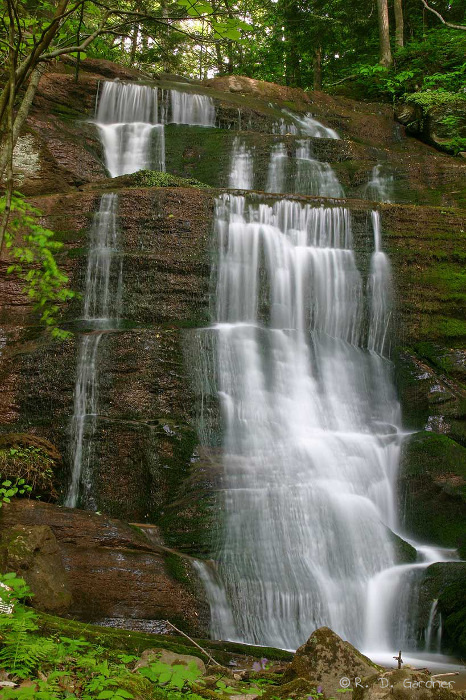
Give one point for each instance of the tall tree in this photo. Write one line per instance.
(399, 23)
(384, 34)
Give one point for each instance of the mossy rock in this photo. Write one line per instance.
(33, 459)
(432, 490)
(156, 178)
(444, 582)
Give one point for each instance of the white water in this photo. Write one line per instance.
(187, 108)
(301, 174)
(310, 447)
(129, 126)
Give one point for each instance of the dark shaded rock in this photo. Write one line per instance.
(444, 582)
(113, 569)
(325, 658)
(432, 490)
(32, 552)
(404, 552)
(440, 123)
(431, 387)
(404, 684)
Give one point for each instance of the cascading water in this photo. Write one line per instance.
(310, 447)
(187, 108)
(102, 307)
(379, 292)
(130, 123)
(242, 166)
(302, 174)
(380, 185)
(130, 128)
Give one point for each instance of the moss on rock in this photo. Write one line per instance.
(432, 490)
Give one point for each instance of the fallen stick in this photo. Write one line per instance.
(195, 643)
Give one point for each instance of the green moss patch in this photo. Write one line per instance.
(156, 178)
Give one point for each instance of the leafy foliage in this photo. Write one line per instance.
(8, 489)
(34, 262)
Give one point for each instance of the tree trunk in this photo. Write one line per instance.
(399, 24)
(318, 68)
(21, 116)
(384, 34)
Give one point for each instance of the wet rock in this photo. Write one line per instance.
(404, 684)
(32, 552)
(170, 658)
(325, 658)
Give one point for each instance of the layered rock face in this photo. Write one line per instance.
(146, 465)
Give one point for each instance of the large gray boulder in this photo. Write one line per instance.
(325, 659)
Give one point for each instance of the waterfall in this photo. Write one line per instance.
(310, 448)
(187, 108)
(241, 169)
(102, 307)
(130, 123)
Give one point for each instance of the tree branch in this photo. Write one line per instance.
(437, 14)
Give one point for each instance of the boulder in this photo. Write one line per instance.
(170, 658)
(325, 658)
(294, 690)
(114, 571)
(405, 684)
(32, 552)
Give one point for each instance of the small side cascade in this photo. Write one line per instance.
(433, 633)
(242, 166)
(102, 309)
(379, 187)
(278, 167)
(397, 589)
(379, 288)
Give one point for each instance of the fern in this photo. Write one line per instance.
(22, 653)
